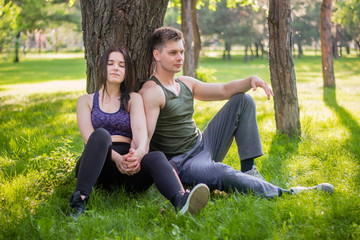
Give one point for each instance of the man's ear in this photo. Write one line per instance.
(156, 55)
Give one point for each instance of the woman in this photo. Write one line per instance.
(112, 124)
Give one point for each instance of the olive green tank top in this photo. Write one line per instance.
(175, 132)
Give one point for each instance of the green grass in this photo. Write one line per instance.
(42, 68)
(39, 143)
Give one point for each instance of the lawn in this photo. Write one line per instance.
(39, 143)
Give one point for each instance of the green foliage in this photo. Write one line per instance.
(205, 74)
(8, 12)
(238, 24)
(348, 15)
(306, 21)
(39, 143)
(18, 18)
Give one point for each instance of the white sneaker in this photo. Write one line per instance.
(325, 187)
(196, 200)
(255, 173)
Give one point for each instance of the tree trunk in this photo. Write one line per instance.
(227, 50)
(17, 45)
(120, 22)
(282, 68)
(196, 33)
(300, 49)
(246, 54)
(256, 50)
(326, 44)
(187, 29)
(262, 50)
(39, 46)
(358, 44)
(251, 52)
(57, 41)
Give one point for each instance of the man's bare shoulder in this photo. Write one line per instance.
(150, 87)
(152, 93)
(189, 81)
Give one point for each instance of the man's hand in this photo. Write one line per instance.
(257, 82)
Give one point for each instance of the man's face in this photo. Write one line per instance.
(171, 57)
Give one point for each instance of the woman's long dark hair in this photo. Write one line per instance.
(128, 85)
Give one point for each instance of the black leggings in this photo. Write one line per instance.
(96, 167)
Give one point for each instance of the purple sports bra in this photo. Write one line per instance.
(117, 123)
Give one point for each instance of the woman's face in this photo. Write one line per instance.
(116, 68)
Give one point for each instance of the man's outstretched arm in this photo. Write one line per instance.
(221, 91)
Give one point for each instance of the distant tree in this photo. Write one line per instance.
(190, 29)
(121, 22)
(305, 23)
(236, 25)
(173, 16)
(326, 44)
(282, 68)
(196, 32)
(9, 13)
(61, 13)
(31, 17)
(347, 14)
(187, 29)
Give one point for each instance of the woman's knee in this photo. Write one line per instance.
(100, 136)
(154, 158)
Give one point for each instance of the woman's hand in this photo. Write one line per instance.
(125, 164)
(132, 160)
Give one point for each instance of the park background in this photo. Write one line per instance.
(39, 139)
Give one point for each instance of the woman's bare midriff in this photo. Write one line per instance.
(119, 138)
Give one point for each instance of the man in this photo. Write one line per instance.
(197, 157)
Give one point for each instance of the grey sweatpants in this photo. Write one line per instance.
(203, 163)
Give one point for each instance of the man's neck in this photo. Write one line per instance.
(165, 77)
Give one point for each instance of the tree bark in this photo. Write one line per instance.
(326, 44)
(120, 22)
(282, 68)
(187, 29)
(196, 33)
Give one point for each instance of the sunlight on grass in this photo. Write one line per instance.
(40, 141)
(19, 93)
(54, 55)
(41, 70)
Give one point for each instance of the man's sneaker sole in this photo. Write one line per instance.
(322, 187)
(325, 187)
(197, 200)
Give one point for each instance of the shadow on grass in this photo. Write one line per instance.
(35, 128)
(282, 148)
(353, 142)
